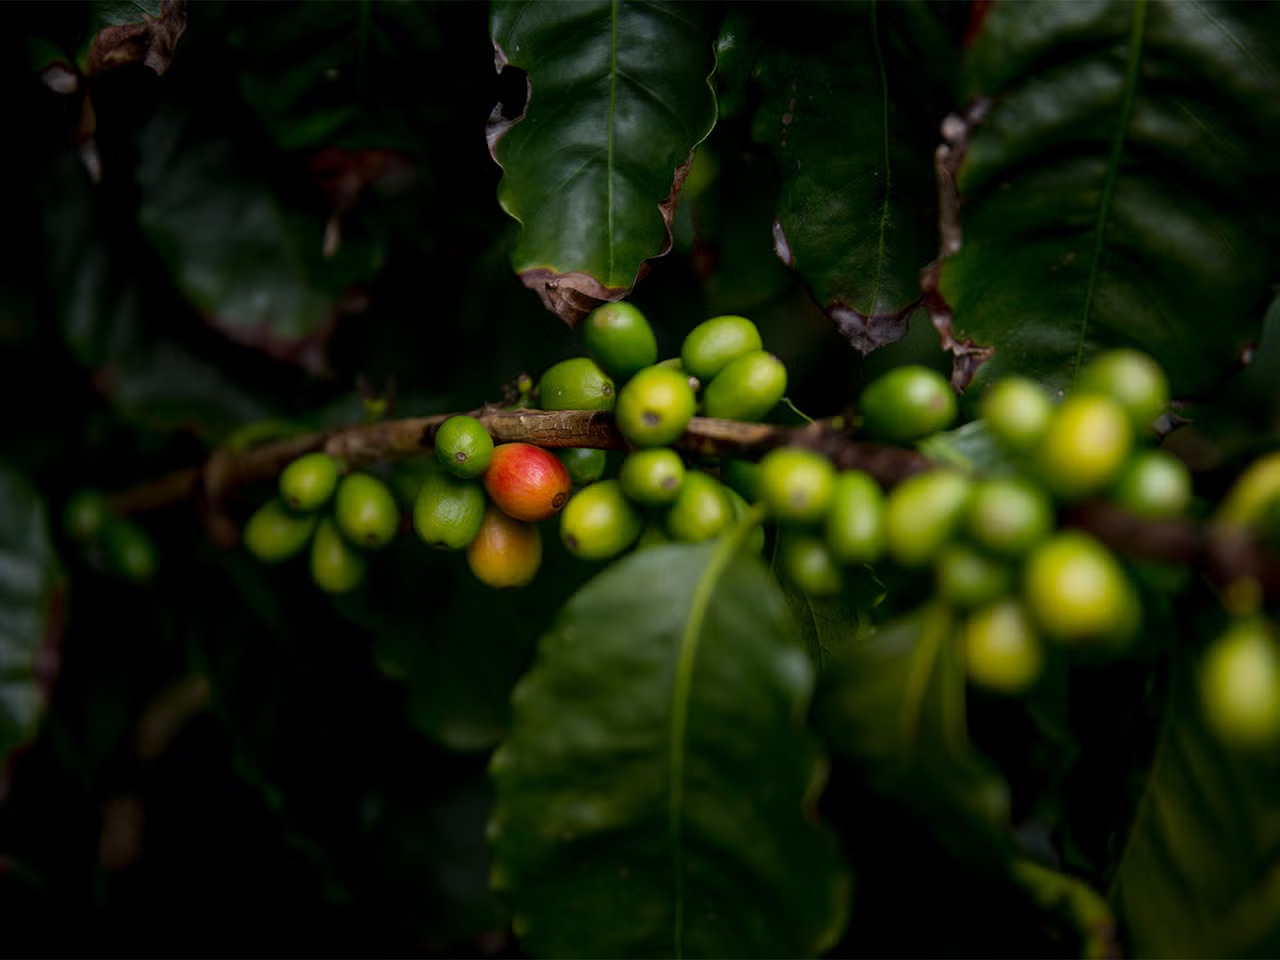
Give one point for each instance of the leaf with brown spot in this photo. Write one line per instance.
(135, 31)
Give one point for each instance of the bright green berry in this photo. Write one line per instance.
(1084, 447)
(336, 566)
(1077, 591)
(274, 533)
(796, 484)
(907, 404)
(1009, 515)
(856, 518)
(585, 464)
(1154, 484)
(309, 482)
(1240, 685)
(652, 477)
(1017, 412)
(86, 515)
(365, 510)
(809, 564)
(1001, 649)
(747, 388)
(448, 511)
(576, 384)
(713, 344)
(701, 510)
(130, 551)
(620, 338)
(463, 446)
(1132, 379)
(600, 522)
(922, 513)
(968, 577)
(654, 407)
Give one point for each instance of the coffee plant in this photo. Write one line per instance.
(641, 479)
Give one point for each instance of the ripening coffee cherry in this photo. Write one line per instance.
(365, 511)
(701, 510)
(796, 484)
(809, 564)
(654, 407)
(336, 566)
(968, 577)
(586, 465)
(526, 482)
(922, 513)
(274, 533)
(620, 339)
(463, 446)
(1001, 649)
(130, 551)
(308, 482)
(1154, 484)
(576, 384)
(448, 511)
(1132, 379)
(1240, 685)
(1077, 591)
(1009, 515)
(713, 344)
(86, 515)
(747, 388)
(600, 522)
(907, 404)
(1084, 446)
(1017, 412)
(652, 477)
(506, 552)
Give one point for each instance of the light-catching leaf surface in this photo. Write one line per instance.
(1200, 874)
(655, 796)
(853, 127)
(1121, 189)
(618, 98)
(31, 596)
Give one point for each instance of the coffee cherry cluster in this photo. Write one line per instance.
(108, 540)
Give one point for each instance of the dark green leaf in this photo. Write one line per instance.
(31, 598)
(655, 795)
(618, 98)
(1114, 192)
(854, 95)
(1199, 873)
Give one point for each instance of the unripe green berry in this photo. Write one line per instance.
(365, 510)
(448, 511)
(336, 566)
(809, 564)
(308, 482)
(463, 446)
(701, 510)
(1078, 592)
(652, 477)
(1154, 484)
(274, 533)
(130, 551)
(856, 518)
(743, 476)
(585, 464)
(599, 522)
(1240, 685)
(922, 513)
(747, 388)
(654, 407)
(1002, 651)
(968, 577)
(1132, 379)
(620, 338)
(1017, 412)
(576, 384)
(86, 515)
(1009, 515)
(713, 344)
(796, 484)
(1084, 447)
(907, 404)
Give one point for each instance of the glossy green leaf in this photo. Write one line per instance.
(655, 795)
(31, 599)
(893, 702)
(1114, 192)
(618, 97)
(1199, 874)
(854, 94)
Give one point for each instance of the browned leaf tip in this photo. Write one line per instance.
(570, 296)
(867, 333)
(150, 41)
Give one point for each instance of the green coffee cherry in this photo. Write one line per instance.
(743, 476)
(620, 339)
(747, 388)
(1132, 379)
(576, 384)
(1017, 412)
(309, 482)
(1001, 649)
(809, 564)
(1077, 591)
(463, 446)
(1009, 515)
(86, 515)
(796, 484)
(599, 522)
(585, 464)
(701, 510)
(1084, 447)
(130, 551)
(274, 533)
(1154, 484)
(336, 566)
(713, 344)
(1240, 685)
(652, 477)
(1253, 496)
(968, 577)
(907, 404)
(755, 539)
(855, 520)
(654, 407)
(365, 510)
(448, 511)
(922, 513)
